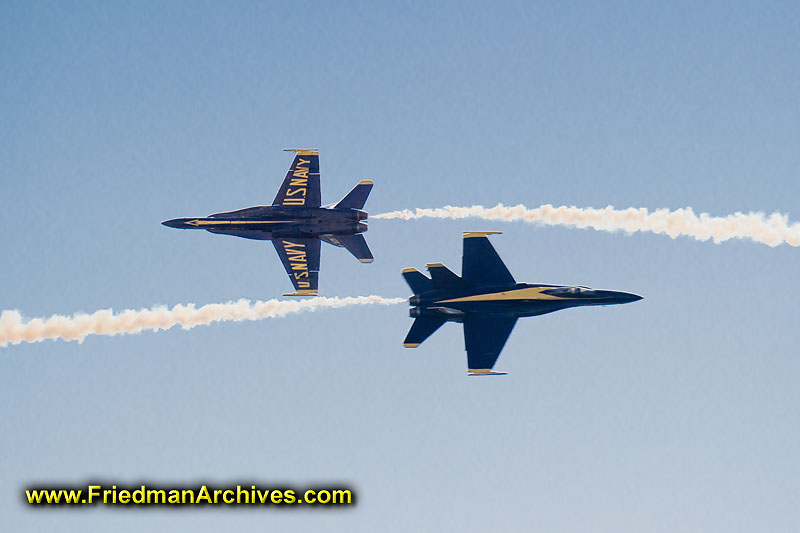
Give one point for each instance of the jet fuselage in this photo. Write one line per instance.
(268, 222)
(514, 300)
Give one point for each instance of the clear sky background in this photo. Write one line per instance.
(676, 413)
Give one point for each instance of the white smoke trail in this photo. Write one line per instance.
(14, 330)
(771, 230)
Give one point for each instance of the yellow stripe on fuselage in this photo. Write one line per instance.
(531, 293)
(217, 222)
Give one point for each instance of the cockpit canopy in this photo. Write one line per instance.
(571, 292)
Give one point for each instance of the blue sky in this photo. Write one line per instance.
(675, 413)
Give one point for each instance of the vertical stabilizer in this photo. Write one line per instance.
(417, 280)
(357, 197)
(443, 277)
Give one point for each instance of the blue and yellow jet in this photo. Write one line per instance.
(488, 301)
(296, 222)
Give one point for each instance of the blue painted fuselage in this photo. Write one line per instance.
(278, 222)
(515, 300)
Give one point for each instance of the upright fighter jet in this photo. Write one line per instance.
(296, 223)
(488, 301)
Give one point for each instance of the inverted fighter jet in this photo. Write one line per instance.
(488, 301)
(296, 223)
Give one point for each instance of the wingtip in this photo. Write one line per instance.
(302, 151)
(302, 293)
(470, 234)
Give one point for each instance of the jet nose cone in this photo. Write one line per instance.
(628, 297)
(616, 297)
(174, 223)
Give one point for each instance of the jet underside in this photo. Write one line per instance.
(274, 223)
(297, 223)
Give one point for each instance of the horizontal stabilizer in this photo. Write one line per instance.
(443, 277)
(355, 244)
(417, 280)
(357, 197)
(421, 329)
(490, 373)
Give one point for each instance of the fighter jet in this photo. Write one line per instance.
(488, 301)
(296, 223)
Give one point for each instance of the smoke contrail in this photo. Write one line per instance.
(771, 230)
(105, 322)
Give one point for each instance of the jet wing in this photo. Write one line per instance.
(300, 258)
(300, 187)
(480, 264)
(484, 338)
